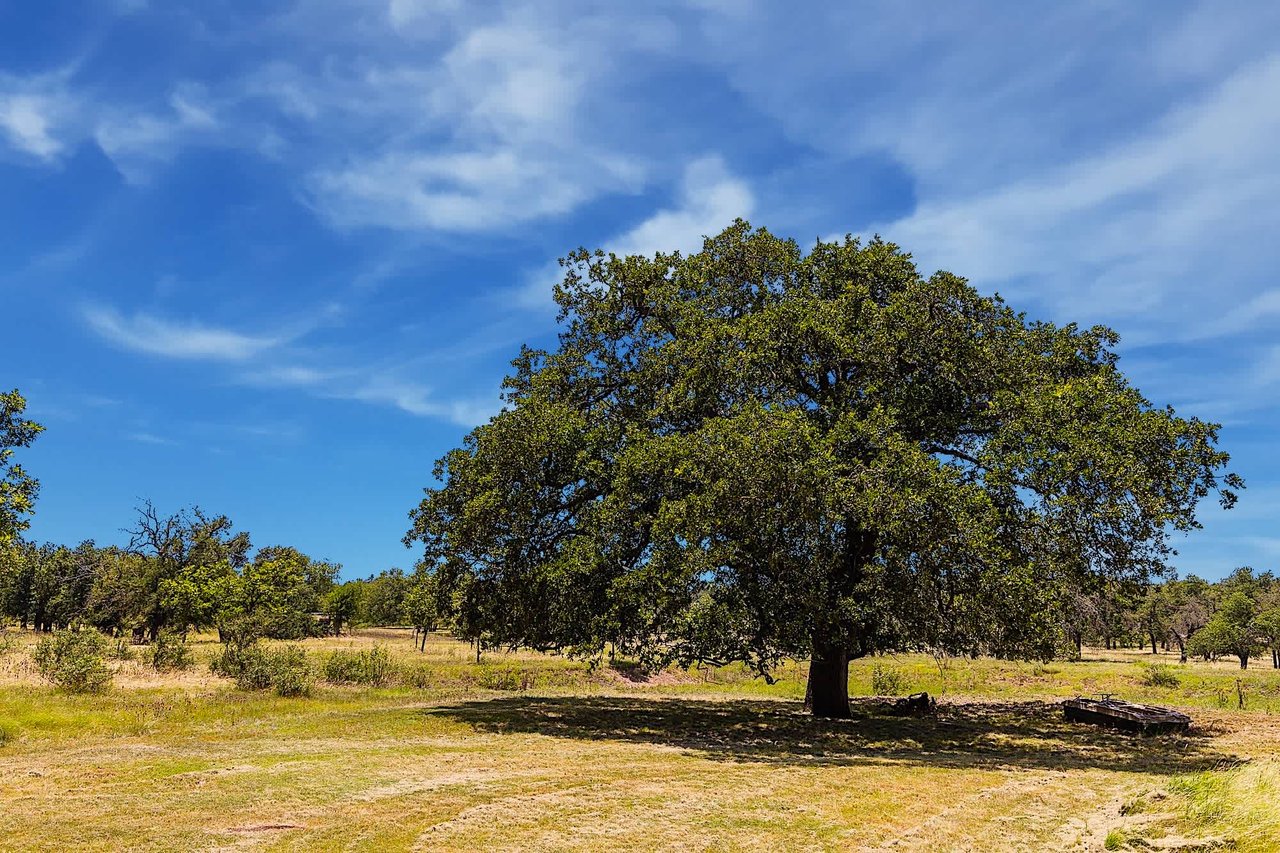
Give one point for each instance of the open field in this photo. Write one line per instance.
(525, 751)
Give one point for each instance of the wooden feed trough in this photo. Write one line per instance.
(1129, 716)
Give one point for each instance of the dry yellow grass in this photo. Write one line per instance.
(585, 760)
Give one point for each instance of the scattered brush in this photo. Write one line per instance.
(73, 660)
(1160, 675)
(170, 652)
(371, 666)
(886, 681)
(120, 650)
(254, 667)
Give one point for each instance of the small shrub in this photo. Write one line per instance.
(256, 668)
(886, 681)
(1160, 675)
(120, 650)
(8, 642)
(170, 651)
(73, 660)
(1115, 840)
(290, 671)
(372, 666)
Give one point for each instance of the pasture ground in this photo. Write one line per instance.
(532, 752)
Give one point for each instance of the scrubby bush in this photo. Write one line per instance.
(170, 651)
(1160, 675)
(120, 650)
(886, 681)
(372, 666)
(290, 671)
(255, 667)
(8, 642)
(73, 660)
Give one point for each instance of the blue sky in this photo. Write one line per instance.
(273, 259)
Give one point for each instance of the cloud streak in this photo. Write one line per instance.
(146, 333)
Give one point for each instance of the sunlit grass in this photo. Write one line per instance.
(529, 751)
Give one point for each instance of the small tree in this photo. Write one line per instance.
(421, 605)
(1229, 632)
(1266, 625)
(342, 604)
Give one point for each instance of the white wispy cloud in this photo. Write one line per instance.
(709, 199)
(150, 438)
(1130, 231)
(178, 339)
(378, 385)
(137, 140)
(36, 114)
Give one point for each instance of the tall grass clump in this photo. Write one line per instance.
(1239, 802)
(73, 660)
(371, 666)
(290, 671)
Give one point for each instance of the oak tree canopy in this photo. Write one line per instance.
(755, 452)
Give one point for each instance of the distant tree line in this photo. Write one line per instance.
(191, 570)
(1238, 616)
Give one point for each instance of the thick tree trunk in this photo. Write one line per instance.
(1275, 658)
(828, 691)
(1244, 661)
(1153, 643)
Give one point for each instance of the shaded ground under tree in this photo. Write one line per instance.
(1020, 735)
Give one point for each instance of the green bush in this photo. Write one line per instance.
(73, 660)
(120, 650)
(290, 671)
(170, 651)
(8, 642)
(254, 667)
(372, 666)
(1160, 675)
(886, 681)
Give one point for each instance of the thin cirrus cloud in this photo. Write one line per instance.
(262, 362)
(377, 385)
(146, 333)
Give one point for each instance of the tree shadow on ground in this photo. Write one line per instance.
(1023, 735)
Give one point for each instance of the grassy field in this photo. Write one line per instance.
(525, 751)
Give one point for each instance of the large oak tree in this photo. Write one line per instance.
(752, 452)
